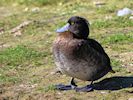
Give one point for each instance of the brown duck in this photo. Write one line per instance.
(78, 56)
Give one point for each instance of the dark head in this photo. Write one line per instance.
(78, 26)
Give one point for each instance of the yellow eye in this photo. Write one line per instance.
(72, 23)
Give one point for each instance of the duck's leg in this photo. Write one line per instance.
(87, 88)
(73, 84)
(66, 87)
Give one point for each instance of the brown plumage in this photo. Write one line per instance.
(78, 56)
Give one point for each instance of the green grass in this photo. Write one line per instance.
(106, 9)
(15, 60)
(19, 55)
(118, 42)
(116, 22)
(116, 64)
(29, 2)
(118, 38)
(5, 79)
(49, 88)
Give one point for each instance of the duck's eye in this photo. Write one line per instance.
(72, 23)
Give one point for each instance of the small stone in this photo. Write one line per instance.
(130, 98)
(103, 92)
(18, 33)
(33, 86)
(1, 30)
(26, 9)
(59, 93)
(108, 17)
(60, 4)
(35, 10)
(124, 12)
(98, 3)
(131, 17)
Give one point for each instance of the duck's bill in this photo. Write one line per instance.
(63, 29)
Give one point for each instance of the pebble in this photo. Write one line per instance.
(26, 9)
(103, 92)
(18, 33)
(35, 10)
(131, 17)
(99, 4)
(124, 12)
(130, 98)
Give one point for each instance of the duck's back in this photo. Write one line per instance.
(84, 59)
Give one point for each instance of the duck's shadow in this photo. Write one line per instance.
(114, 83)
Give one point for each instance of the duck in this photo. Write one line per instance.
(78, 56)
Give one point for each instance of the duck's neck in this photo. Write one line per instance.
(70, 35)
(66, 35)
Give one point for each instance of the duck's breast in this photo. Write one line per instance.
(78, 59)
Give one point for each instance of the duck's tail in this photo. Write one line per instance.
(112, 71)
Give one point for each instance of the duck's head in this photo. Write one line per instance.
(78, 26)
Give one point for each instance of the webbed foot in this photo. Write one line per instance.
(87, 88)
(72, 86)
(64, 87)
